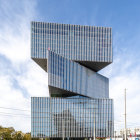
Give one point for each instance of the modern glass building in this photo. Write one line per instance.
(71, 117)
(79, 106)
(66, 75)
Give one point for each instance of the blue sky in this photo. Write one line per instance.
(21, 78)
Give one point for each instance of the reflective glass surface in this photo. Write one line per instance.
(71, 117)
(75, 42)
(72, 55)
(71, 76)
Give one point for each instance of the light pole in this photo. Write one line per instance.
(115, 135)
(63, 128)
(95, 122)
(94, 126)
(125, 114)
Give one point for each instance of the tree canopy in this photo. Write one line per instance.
(10, 134)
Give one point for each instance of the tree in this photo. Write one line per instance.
(27, 136)
(11, 134)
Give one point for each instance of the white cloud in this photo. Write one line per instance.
(15, 48)
(124, 72)
(13, 98)
(35, 80)
(131, 83)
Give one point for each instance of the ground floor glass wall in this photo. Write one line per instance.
(71, 117)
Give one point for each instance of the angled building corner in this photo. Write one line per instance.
(79, 105)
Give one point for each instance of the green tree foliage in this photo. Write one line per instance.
(11, 134)
(27, 136)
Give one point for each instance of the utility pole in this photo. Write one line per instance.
(125, 114)
(94, 126)
(115, 135)
(63, 129)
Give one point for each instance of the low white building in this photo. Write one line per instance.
(132, 134)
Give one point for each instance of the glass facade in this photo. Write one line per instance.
(75, 42)
(79, 96)
(71, 117)
(73, 77)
